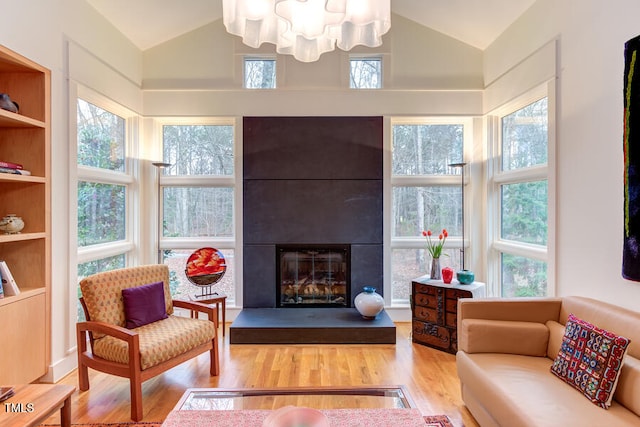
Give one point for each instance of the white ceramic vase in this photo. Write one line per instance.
(369, 303)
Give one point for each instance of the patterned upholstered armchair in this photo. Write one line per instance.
(141, 352)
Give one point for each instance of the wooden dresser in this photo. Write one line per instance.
(434, 311)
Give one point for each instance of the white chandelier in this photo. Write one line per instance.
(308, 28)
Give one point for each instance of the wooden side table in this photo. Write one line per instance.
(434, 311)
(219, 299)
(31, 404)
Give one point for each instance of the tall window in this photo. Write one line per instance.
(104, 185)
(365, 73)
(259, 73)
(425, 194)
(520, 191)
(198, 198)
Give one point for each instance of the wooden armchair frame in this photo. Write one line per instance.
(132, 370)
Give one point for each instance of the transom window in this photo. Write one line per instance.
(260, 73)
(365, 73)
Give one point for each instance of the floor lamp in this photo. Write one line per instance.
(159, 166)
(464, 276)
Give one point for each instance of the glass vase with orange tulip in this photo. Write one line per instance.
(434, 247)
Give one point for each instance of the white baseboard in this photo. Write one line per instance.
(399, 314)
(61, 368)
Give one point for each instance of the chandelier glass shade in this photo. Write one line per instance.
(308, 28)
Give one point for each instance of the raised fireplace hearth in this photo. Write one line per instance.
(312, 325)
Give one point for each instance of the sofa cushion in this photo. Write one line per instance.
(590, 359)
(556, 333)
(144, 304)
(502, 336)
(159, 341)
(519, 391)
(627, 391)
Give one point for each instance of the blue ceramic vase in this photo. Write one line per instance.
(465, 277)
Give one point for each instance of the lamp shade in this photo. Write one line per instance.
(308, 28)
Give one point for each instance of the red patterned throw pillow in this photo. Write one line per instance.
(590, 360)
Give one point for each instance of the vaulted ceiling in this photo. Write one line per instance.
(148, 23)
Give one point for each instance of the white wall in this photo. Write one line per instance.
(590, 36)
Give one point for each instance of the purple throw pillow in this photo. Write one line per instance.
(144, 304)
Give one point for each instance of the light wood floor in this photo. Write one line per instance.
(429, 375)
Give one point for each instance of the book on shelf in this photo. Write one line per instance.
(15, 171)
(8, 282)
(1, 287)
(10, 165)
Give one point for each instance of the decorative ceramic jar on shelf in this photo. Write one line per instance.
(369, 303)
(11, 224)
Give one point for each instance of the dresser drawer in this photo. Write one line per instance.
(432, 335)
(425, 300)
(451, 305)
(424, 289)
(458, 293)
(425, 313)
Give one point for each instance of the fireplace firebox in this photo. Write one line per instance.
(313, 276)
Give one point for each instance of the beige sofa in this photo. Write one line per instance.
(507, 346)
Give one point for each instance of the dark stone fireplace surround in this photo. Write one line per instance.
(311, 180)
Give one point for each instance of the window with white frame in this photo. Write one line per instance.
(519, 195)
(365, 72)
(259, 73)
(104, 185)
(198, 197)
(425, 195)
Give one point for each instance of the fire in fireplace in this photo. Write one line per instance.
(313, 275)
